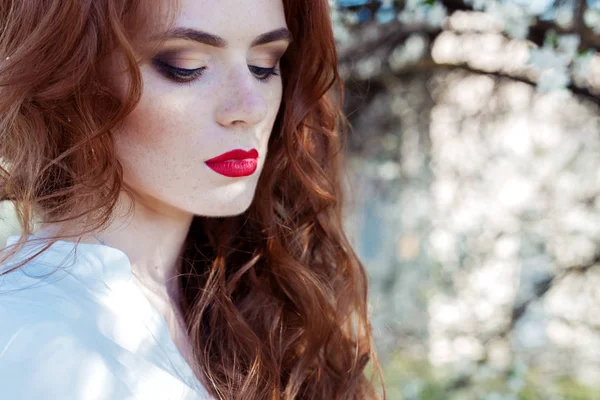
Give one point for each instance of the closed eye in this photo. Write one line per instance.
(263, 74)
(175, 73)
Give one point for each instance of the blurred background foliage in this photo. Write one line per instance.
(474, 179)
(473, 182)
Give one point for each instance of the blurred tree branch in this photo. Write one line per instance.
(380, 40)
(428, 64)
(395, 32)
(541, 289)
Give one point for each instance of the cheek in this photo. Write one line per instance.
(273, 97)
(163, 122)
(158, 140)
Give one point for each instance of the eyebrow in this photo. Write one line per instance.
(216, 41)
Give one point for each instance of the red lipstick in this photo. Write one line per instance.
(234, 163)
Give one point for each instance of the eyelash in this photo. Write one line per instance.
(182, 75)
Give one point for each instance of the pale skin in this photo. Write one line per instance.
(177, 126)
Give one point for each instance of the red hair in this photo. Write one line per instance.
(275, 299)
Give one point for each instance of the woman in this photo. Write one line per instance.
(184, 240)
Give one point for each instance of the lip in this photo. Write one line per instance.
(235, 163)
(236, 154)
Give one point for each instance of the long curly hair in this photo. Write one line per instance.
(275, 299)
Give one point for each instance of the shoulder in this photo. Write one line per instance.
(45, 358)
(47, 353)
(47, 347)
(44, 353)
(65, 335)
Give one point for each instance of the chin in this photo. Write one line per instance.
(229, 208)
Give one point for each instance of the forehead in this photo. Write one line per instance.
(233, 20)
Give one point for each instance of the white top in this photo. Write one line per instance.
(85, 332)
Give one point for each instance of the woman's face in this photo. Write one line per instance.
(213, 87)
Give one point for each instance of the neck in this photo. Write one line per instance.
(152, 236)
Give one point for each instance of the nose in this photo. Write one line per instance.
(242, 100)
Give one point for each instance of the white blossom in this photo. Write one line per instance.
(534, 7)
(412, 50)
(564, 16)
(568, 45)
(591, 18)
(516, 20)
(478, 4)
(552, 68)
(416, 12)
(581, 65)
(436, 14)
